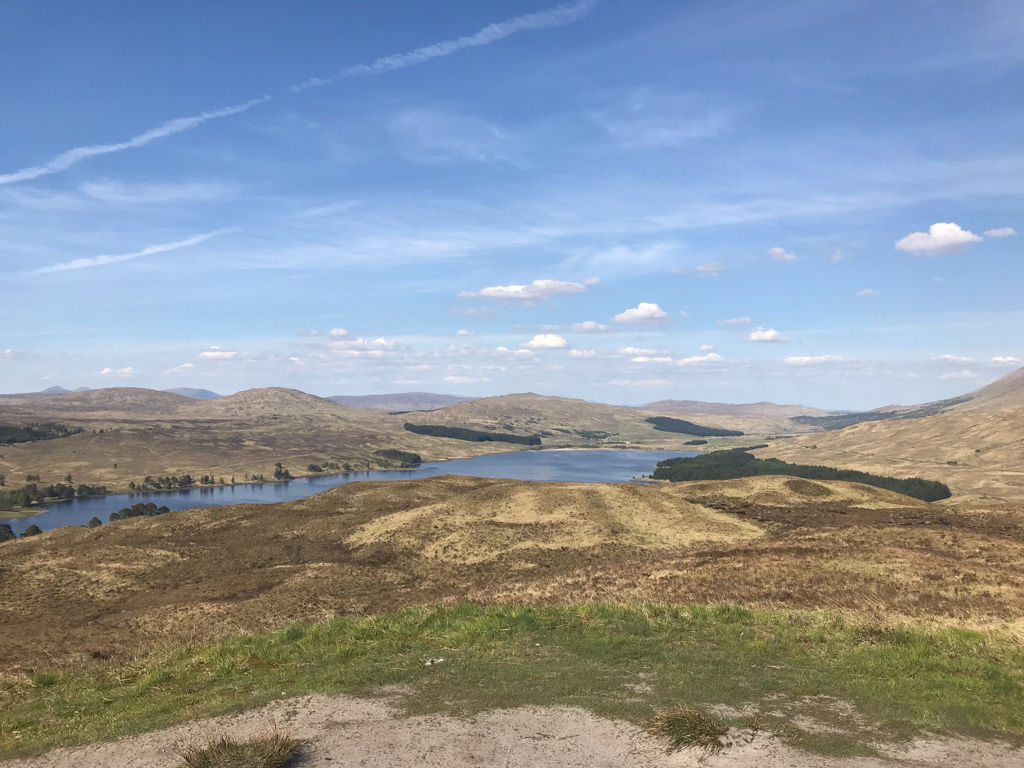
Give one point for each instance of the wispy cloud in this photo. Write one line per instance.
(546, 19)
(99, 261)
(78, 154)
(538, 290)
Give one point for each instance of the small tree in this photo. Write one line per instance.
(6, 532)
(32, 530)
(95, 523)
(67, 478)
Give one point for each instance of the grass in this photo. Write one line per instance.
(621, 661)
(684, 727)
(272, 749)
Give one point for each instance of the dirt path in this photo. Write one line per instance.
(343, 731)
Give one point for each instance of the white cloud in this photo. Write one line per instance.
(464, 332)
(940, 238)
(73, 156)
(712, 357)
(423, 367)
(735, 321)
(706, 347)
(636, 351)
(641, 383)
(183, 368)
(581, 353)
(467, 379)
(998, 360)
(538, 290)
(960, 375)
(644, 359)
(781, 254)
(709, 269)
(98, 261)
(337, 332)
(765, 334)
(868, 292)
(364, 347)
(650, 314)
(839, 256)
(684, 313)
(119, 372)
(1004, 232)
(217, 353)
(465, 311)
(954, 359)
(589, 326)
(546, 19)
(545, 341)
(814, 360)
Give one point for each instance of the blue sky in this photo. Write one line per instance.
(622, 200)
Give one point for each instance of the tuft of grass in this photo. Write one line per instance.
(684, 727)
(272, 749)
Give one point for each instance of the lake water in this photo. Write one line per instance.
(576, 466)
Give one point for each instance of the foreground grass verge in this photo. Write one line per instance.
(624, 661)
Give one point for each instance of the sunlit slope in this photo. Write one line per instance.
(132, 433)
(976, 447)
(376, 547)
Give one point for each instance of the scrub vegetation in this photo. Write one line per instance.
(668, 424)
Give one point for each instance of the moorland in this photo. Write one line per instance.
(836, 617)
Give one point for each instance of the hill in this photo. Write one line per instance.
(401, 401)
(195, 394)
(128, 434)
(974, 444)
(362, 548)
(750, 410)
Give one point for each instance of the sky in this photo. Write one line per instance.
(618, 200)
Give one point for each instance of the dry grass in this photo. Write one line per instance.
(271, 749)
(683, 727)
(75, 594)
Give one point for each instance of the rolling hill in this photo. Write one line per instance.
(195, 394)
(401, 401)
(974, 444)
(750, 410)
(74, 593)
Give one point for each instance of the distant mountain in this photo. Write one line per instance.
(195, 394)
(752, 410)
(54, 391)
(402, 401)
(82, 389)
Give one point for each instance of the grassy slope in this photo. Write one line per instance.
(379, 547)
(982, 437)
(617, 660)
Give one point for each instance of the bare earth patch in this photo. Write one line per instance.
(349, 731)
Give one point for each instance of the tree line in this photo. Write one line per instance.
(406, 458)
(735, 463)
(137, 510)
(668, 424)
(472, 435)
(34, 432)
(32, 493)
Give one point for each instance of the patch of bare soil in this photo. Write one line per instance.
(74, 594)
(343, 731)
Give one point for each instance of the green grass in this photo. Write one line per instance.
(623, 661)
(684, 727)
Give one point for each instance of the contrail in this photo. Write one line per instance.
(552, 17)
(72, 156)
(98, 261)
